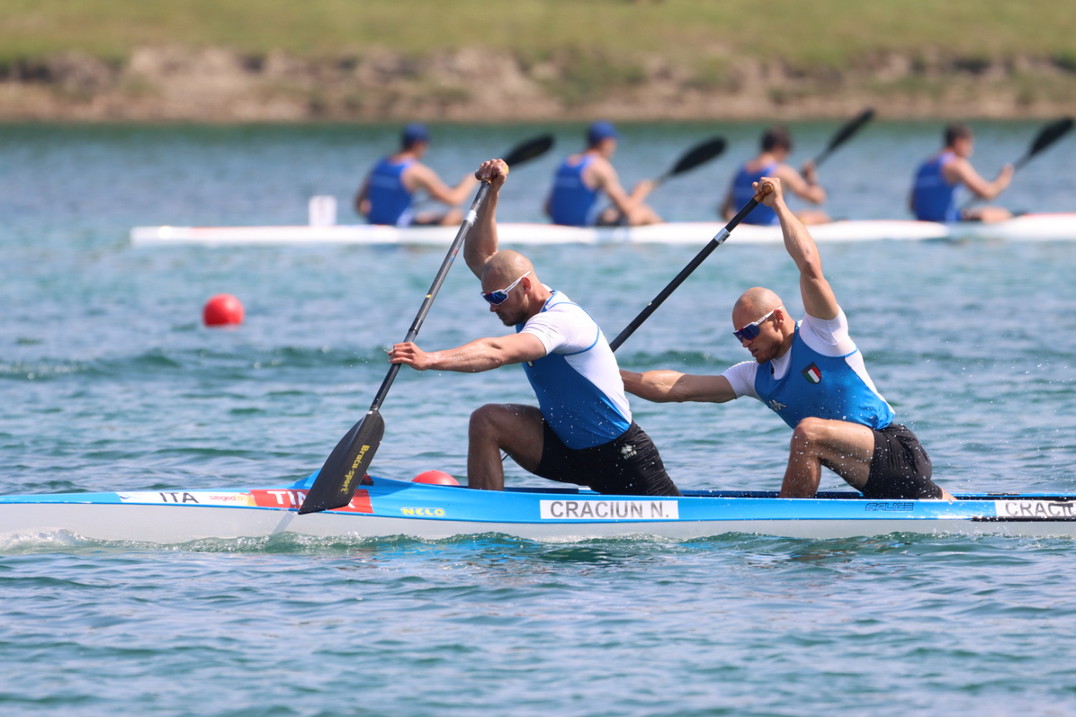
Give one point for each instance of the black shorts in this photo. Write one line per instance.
(628, 465)
(900, 466)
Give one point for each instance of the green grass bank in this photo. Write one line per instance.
(375, 59)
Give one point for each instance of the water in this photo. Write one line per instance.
(109, 382)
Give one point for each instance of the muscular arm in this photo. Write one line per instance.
(818, 298)
(482, 242)
(419, 176)
(804, 187)
(672, 386)
(960, 170)
(601, 175)
(478, 355)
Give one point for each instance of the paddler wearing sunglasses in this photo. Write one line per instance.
(813, 376)
(582, 430)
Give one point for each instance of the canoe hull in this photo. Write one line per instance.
(395, 508)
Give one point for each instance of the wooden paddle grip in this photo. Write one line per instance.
(764, 189)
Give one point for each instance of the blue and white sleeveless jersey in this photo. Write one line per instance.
(821, 376)
(390, 200)
(572, 202)
(577, 382)
(934, 199)
(743, 192)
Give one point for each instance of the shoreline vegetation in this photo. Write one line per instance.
(531, 60)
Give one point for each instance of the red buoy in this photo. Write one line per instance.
(435, 477)
(222, 310)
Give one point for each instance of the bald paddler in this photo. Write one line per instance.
(388, 193)
(584, 179)
(582, 431)
(813, 376)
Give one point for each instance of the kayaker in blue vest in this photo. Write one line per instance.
(936, 193)
(582, 179)
(776, 146)
(813, 376)
(582, 431)
(387, 194)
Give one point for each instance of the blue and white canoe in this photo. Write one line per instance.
(383, 507)
(1029, 227)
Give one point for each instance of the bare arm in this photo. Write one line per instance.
(478, 355)
(804, 186)
(603, 176)
(673, 386)
(362, 202)
(419, 176)
(960, 170)
(818, 298)
(482, 242)
(726, 211)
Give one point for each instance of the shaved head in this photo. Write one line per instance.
(505, 267)
(752, 304)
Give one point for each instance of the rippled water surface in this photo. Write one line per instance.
(110, 382)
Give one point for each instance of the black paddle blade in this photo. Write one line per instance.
(697, 155)
(845, 133)
(345, 466)
(851, 128)
(529, 149)
(1047, 136)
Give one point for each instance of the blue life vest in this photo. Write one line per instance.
(579, 412)
(821, 386)
(572, 202)
(743, 192)
(390, 200)
(934, 199)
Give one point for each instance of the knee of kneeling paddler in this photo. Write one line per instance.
(807, 432)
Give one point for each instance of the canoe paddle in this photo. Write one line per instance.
(1046, 137)
(714, 243)
(845, 133)
(347, 464)
(699, 154)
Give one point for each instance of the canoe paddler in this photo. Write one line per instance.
(936, 190)
(582, 430)
(775, 148)
(388, 192)
(813, 376)
(584, 179)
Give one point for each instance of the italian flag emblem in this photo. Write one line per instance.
(812, 374)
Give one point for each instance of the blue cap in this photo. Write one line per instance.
(601, 130)
(414, 133)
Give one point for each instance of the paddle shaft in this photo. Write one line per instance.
(845, 133)
(1046, 137)
(664, 294)
(435, 287)
(1043, 139)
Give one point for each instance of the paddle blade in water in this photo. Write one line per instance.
(529, 150)
(345, 466)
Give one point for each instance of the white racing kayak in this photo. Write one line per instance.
(1029, 227)
(383, 507)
